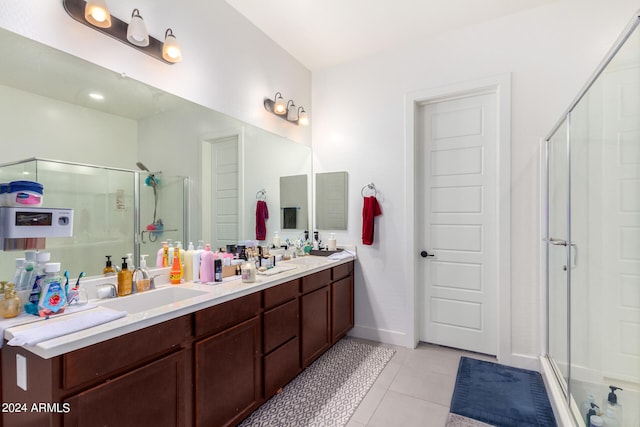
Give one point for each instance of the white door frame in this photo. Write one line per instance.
(501, 84)
(205, 175)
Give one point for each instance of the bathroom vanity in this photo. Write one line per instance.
(210, 363)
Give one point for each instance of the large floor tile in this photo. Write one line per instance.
(429, 386)
(369, 404)
(397, 409)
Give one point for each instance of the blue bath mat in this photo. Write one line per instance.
(501, 395)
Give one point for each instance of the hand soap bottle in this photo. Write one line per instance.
(109, 269)
(611, 406)
(125, 280)
(53, 298)
(141, 276)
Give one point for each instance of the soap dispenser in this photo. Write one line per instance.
(611, 406)
(109, 269)
(141, 277)
(125, 280)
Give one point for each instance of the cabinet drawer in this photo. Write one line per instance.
(280, 367)
(315, 281)
(105, 359)
(153, 395)
(341, 271)
(280, 325)
(222, 316)
(279, 294)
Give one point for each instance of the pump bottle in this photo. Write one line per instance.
(611, 407)
(109, 269)
(125, 280)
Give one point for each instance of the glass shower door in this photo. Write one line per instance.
(557, 270)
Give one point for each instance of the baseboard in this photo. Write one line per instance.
(523, 361)
(381, 335)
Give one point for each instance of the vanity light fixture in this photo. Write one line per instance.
(137, 33)
(303, 117)
(95, 14)
(171, 51)
(288, 111)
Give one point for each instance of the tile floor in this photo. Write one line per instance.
(414, 389)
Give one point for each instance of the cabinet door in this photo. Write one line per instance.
(341, 308)
(157, 394)
(281, 366)
(228, 375)
(315, 332)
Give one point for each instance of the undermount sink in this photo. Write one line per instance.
(309, 261)
(151, 299)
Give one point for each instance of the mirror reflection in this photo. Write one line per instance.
(331, 201)
(46, 111)
(293, 203)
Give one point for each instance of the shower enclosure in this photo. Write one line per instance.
(593, 237)
(112, 210)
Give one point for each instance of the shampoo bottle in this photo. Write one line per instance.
(125, 280)
(53, 298)
(188, 263)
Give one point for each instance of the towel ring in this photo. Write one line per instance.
(261, 195)
(371, 187)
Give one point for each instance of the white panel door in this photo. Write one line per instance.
(224, 197)
(458, 222)
(620, 307)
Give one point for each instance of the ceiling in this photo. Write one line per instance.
(323, 33)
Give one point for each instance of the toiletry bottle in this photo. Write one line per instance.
(609, 418)
(53, 298)
(109, 269)
(593, 410)
(248, 271)
(596, 421)
(130, 262)
(11, 305)
(188, 263)
(332, 242)
(141, 277)
(165, 254)
(175, 273)
(196, 261)
(218, 270)
(177, 250)
(159, 255)
(276, 240)
(125, 279)
(206, 265)
(27, 275)
(42, 258)
(18, 271)
(585, 406)
(611, 402)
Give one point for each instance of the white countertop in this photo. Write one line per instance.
(229, 289)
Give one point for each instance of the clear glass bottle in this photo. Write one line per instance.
(11, 305)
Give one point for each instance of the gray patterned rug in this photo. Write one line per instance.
(327, 392)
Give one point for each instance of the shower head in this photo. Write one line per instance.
(142, 167)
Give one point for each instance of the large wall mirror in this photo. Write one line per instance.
(294, 212)
(45, 103)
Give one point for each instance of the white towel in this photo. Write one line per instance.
(344, 254)
(53, 329)
(24, 318)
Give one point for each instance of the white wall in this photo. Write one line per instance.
(228, 64)
(359, 126)
(35, 126)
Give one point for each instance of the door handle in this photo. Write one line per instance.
(425, 254)
(560, 242)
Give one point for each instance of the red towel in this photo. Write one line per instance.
(370, 210)
(262, 214)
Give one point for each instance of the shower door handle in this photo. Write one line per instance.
(560, 242)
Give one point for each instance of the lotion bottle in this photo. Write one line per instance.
(206, 265)
(196, 261)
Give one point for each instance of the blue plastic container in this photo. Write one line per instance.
(24, 193)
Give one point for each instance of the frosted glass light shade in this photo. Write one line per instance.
(97, 13)
(171, 51)
(137, 33)
(280, 107)
(303, 118)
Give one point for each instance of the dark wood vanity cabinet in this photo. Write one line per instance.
(341, 301)
(209, 368)
(315, 320)
(228, 365)
(281, 331)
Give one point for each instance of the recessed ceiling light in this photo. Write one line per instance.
(96, 96)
